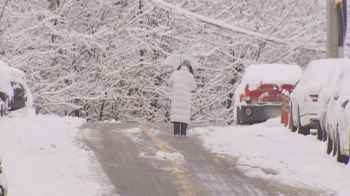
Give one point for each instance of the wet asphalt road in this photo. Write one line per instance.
(128, 159)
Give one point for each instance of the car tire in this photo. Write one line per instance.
(341, 158)
(335, 147)
(329, 145)
(238, 122)
(324, 135)
(319, 131)
(293, 127)
(7, 105)
(301, 129)
(2, 110)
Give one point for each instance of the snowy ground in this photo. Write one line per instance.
(41, 156)
(270, 151)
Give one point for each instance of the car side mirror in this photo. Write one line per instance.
(343, 105)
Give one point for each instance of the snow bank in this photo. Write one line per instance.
(41, 156)
(271, 151)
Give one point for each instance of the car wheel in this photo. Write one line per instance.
(319, 131)
(293, 127)
(238, 120)
(324, 135)
(7, 105)
(2, 110)
(341, 158)
(329, 145)
(335, 146)
(301, 129)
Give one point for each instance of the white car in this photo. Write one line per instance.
(17, 94)
(338, 117)
(3, 181)
(258, 96)
(325, 96)
(304, 98)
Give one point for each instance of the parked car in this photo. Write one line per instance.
(6, 91)
(258, 96)
(304, 98)
(325, 96)
(338, 117)
(20, 90)
(3, 181)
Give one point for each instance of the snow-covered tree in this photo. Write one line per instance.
(101, 59)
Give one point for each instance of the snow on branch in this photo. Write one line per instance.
(170, 7)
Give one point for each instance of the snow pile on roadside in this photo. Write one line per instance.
(271, 151)
(41, 156)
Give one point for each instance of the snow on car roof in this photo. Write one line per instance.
(5, 81)
(16, 74)
(317, 73)
(257, 74)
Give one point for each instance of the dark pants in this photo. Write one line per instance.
(180, 128)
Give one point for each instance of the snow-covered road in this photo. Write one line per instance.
(145, 159)
(43, 155)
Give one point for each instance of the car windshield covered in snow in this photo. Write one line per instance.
(316, 75)
(344, 89)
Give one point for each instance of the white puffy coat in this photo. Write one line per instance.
(182, 82)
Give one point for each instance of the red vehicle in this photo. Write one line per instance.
(258, 96)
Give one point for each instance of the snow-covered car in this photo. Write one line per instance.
(325, 96)
(3, 181)
(258, 96)
(20, 93)
(6, 91)
(304, 98)
(338, 117)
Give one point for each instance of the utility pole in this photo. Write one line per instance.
(336, 27)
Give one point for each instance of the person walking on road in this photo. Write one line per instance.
(182, 83)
